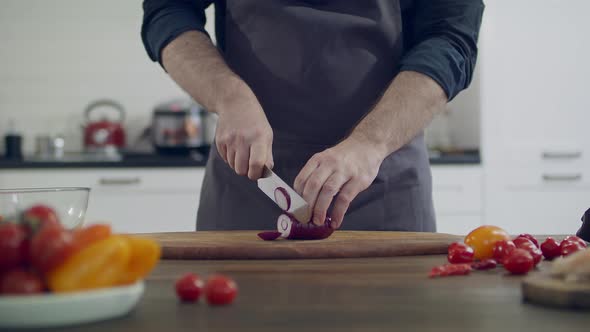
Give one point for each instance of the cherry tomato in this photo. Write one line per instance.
(39, 216)
(483, 239)
(519, 261)
(486, 264)
(13, 245)
(450, 270)
(573, 238)
(550, 248)
(530, 237)
(220, 290)
(50, 247)
(84, 236)
(459, 253)
(19, 282)
(569, 247)
(189, 287)
(528, 245)
(502, 249)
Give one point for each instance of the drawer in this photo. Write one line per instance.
(457, 189)
(541, 178)
(542, 212)
(174, 179)
(144, 213)
(569, 155)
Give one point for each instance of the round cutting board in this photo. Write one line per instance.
(542, 289)
(342, 244)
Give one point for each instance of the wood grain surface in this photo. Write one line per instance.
(540, 288)
(342, 244)
(341, 295)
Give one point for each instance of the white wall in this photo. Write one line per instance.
(57, 56)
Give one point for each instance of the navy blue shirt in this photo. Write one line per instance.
(440, 36)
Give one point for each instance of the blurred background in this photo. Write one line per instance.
(81, 104)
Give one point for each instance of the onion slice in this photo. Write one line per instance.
(282, 198)
(269, 236)
(292, 229)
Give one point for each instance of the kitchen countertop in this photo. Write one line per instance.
(377, 294)
(131, 160)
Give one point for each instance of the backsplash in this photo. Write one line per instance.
(58, 56)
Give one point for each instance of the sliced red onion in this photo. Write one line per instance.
(292, 229)
(282, 198)
(269, 236)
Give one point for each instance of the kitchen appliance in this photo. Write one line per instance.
(178, 127)
(342, 244)
(104, 134)
(277, 189)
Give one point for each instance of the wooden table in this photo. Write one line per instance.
(376, 294)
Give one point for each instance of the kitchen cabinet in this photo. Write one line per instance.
(535, 115)
(457, 193)
(131, 199)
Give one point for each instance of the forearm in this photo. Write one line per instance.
(195, 64)
(405, 109)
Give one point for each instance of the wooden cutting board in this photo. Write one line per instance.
(342, 244)
(540, 288)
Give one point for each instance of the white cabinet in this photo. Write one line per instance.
(457, 194)
(131, 199)
(535, 114)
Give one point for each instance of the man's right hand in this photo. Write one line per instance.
(244, 137)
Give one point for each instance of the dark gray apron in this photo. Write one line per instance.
(317, 67)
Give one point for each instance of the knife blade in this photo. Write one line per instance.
(270, 184)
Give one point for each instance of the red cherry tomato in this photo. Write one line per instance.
(528, 245)
(531, 238)
(550, 248)
(20, 282)
(39, 216)
(486, 264)
(483, 239)
(502, 249)
(189, 287)
(450, 270)
(569, 247)
(220, 290)
(573, 238)
(50, 247)
(13, 245)
(459, 253)
(519, 261)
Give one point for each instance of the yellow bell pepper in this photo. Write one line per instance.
(100, 264)
(145, 254)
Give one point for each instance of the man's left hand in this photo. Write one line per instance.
(341, 173)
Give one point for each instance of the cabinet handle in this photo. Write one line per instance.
(119, 181)
(562, 155)
(562, 177)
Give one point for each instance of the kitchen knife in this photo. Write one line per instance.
(284, 196)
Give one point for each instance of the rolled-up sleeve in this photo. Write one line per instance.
(164, 20)
(441, 41)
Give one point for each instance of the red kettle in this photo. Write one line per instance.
(104, 134)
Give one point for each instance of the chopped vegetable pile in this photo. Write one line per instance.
(40, 255)
(487, 246)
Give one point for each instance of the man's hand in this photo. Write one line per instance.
(340, 172)
(244, 138)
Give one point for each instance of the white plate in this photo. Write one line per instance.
(51, 310)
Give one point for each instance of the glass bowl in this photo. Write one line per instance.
(69, 203)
